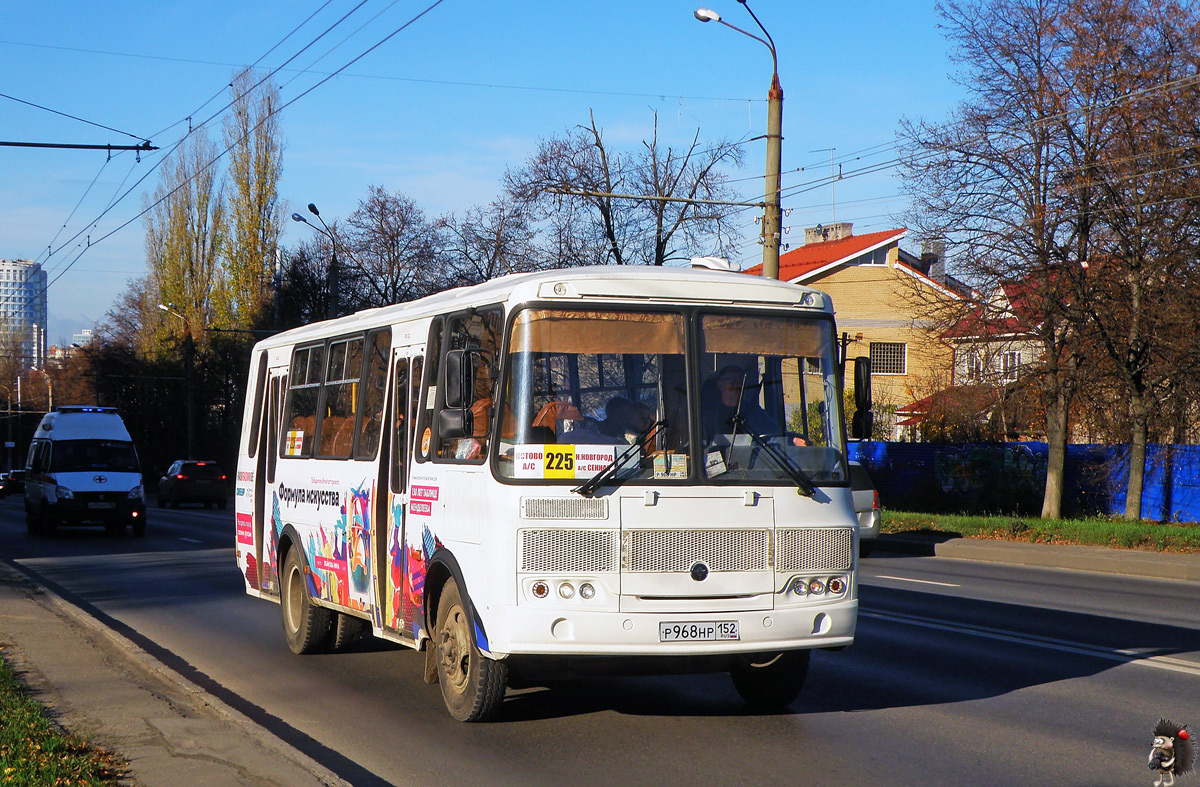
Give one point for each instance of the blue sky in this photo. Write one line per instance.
(441, 109)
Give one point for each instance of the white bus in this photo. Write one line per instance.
(639, 469)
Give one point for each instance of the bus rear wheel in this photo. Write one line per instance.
(771, 682)
(472, 684)
(306, 626)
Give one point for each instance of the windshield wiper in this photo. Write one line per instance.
(609, 471)
(804, 485)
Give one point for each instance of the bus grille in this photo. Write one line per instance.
(564, 508)
(572, 551)
(678, 550)
(814, 549)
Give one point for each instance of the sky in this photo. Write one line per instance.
(456, 94)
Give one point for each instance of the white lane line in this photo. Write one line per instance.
(910, 579)
(191, 540)
(1123, 656)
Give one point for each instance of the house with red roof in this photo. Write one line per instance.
(879, 292)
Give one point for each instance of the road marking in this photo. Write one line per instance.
(1124, 656)
(910, 579)
(191, 540)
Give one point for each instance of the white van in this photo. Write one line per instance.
(83, 469)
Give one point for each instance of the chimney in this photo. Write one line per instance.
(824, 234)
(933, 259)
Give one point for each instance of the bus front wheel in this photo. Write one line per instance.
(771, 682)
(306, 626)
(472, 684)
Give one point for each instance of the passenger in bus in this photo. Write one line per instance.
(625, 419)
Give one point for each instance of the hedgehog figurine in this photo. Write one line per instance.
(1172, 753)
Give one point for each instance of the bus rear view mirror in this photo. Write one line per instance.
(459, 380)
(455, 424)
(863, 422)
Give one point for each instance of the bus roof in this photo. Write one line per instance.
(642, 284)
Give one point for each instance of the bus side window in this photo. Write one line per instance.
(374, 389)
(342, 379)
(400, 441)
(427, 393)
(300, 422)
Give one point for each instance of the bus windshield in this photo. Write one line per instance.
(581, 385)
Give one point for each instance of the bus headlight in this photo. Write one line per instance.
(799, 586)
(586, 591)
(540, 589)
(836, 585)
(62, 493)
(566, 590)
(816, 587)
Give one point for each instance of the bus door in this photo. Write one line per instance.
(266, 536)
(400, 593)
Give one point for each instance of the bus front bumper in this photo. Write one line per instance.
(573, 632)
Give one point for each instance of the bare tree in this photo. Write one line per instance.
(1144, 280)
(991, 178)
(592, 226)
(489, 242)
(392, 249)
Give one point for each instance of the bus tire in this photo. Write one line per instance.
(347, 630)
(305, 625)
(472, 684)
(771, 682)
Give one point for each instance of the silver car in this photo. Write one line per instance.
(866, 506)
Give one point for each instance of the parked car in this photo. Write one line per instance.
(193, 481)
(866, 506)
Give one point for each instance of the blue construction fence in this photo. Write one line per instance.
(1010, 478)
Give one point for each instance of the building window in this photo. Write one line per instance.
(974, 367)
(888, 358)
(1012, 365)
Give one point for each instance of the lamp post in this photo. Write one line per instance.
(332, 278)
(772, 230)
(189, 353)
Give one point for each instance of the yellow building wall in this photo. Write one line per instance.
(883, 304)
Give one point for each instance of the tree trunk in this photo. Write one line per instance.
(1056, 439)
(1137, 457)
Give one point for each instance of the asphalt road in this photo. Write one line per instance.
(962, 672)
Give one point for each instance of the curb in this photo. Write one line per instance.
(1104, 560)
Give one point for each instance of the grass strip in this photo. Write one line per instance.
(35, 752)
(1099, 531)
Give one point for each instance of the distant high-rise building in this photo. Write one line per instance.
(23, 311)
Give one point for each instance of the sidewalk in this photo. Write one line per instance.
(104, 688)
(1126, 562)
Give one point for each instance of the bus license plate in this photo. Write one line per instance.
(102, 504)
(703, 631)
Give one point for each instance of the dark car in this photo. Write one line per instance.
(13, 483)
(193, 481)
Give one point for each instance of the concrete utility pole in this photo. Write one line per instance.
(772, 224)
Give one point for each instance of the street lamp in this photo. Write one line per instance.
(771, 219)
(189, 352)
(332, 279)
